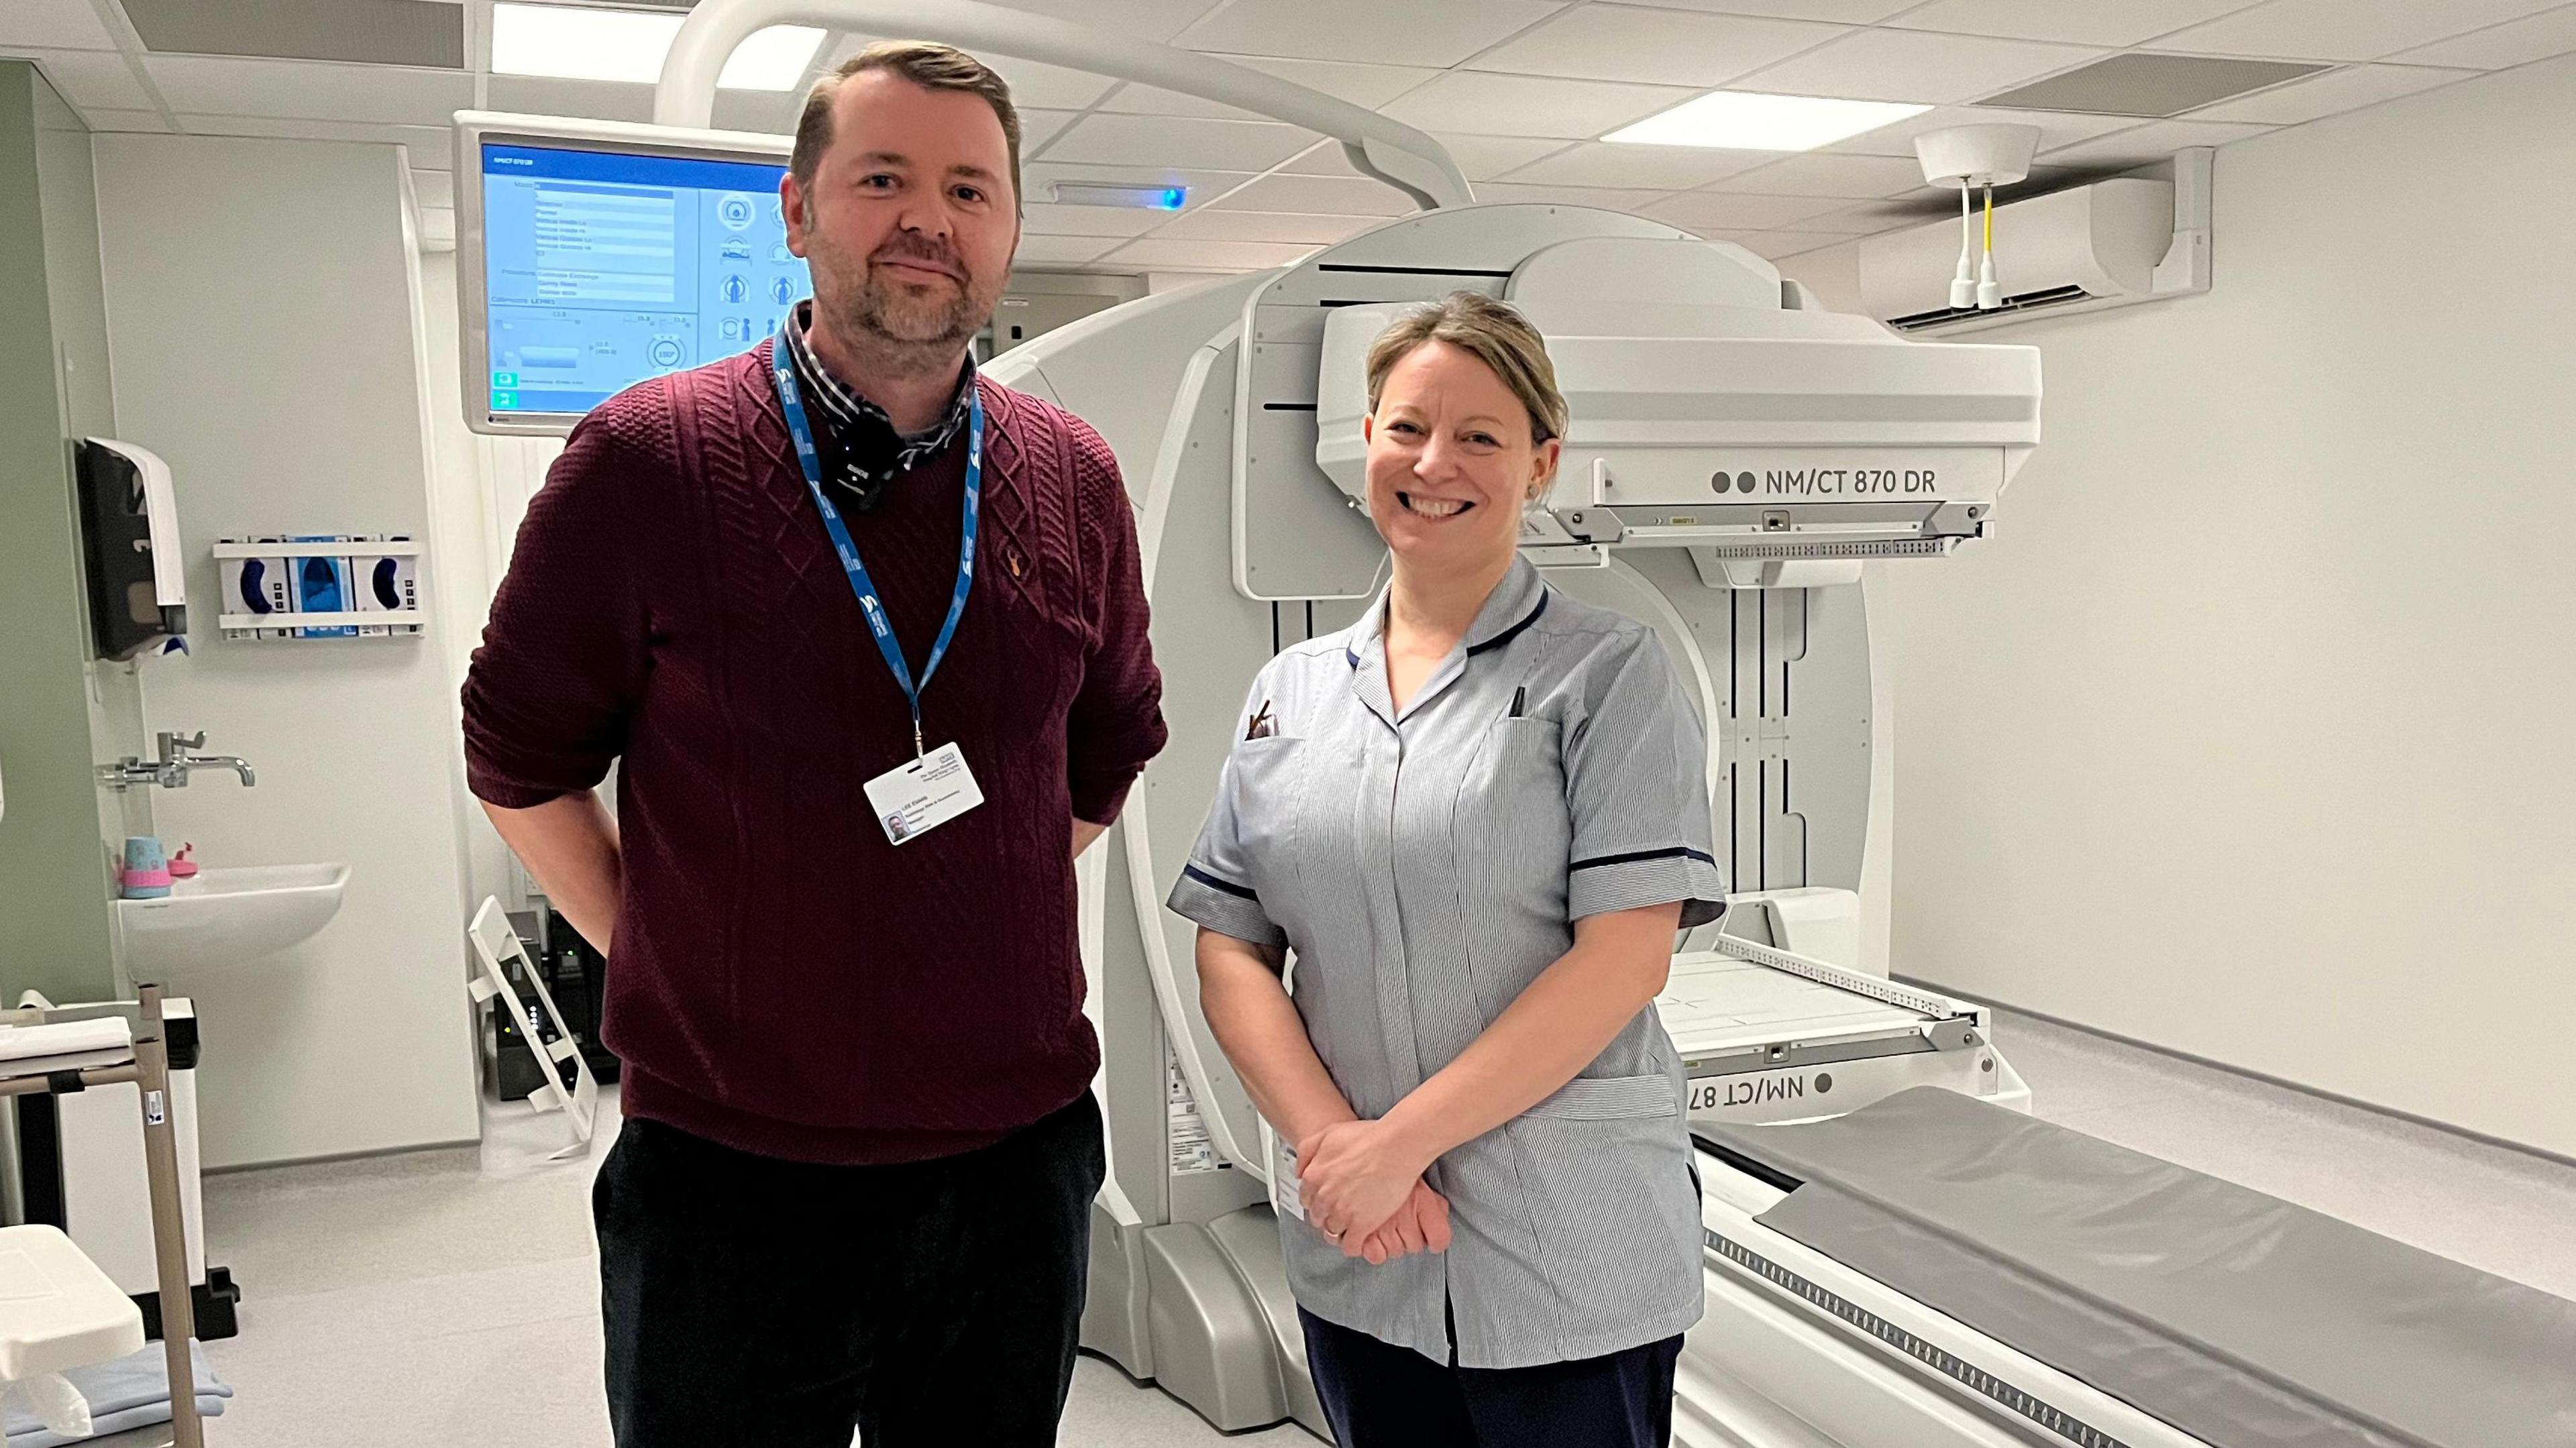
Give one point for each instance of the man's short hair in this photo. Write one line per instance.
(925, 63)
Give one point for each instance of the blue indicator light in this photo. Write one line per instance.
(1175, 197)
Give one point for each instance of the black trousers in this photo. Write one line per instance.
(1378, 1395)
(755, 1301)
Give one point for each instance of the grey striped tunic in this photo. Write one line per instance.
(1425, 868)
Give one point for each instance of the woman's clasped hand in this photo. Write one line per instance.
(1362, 1187)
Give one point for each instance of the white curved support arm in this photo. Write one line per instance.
(1397, 154)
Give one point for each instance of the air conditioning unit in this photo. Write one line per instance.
(2128, 239)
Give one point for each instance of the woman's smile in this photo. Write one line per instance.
(1427, 507)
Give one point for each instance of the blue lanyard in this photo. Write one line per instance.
(791, 401)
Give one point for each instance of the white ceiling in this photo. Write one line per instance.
(1519, 89)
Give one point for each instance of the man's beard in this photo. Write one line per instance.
(909, 326)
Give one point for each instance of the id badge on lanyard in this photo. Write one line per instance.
(935, 786)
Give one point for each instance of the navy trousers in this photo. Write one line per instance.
(1378, 1395)
(933, 1304)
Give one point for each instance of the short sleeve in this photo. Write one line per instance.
(1636, 786)
(1215, 888)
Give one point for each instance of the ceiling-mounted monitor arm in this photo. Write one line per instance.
(1397, 154)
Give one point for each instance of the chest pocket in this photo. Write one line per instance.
(1513, 807)
(1269, 794)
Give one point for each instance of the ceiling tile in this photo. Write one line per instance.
(1328, 158)
(1362, 85)
(1930, 203)
(1773, 245)
(1044, 218)
(1049, 87)
(1519, 105)
(2330, 94)
(1204, 185)
(768, 113)
(1832, 12)
(1135, 99)
(1305, 229)
(598, 100)
(761, 112)
(1145, 19)
(1060, 250)
(222, 85)
(1853, 221)
(1675, 47)
(1321, 196)
(1441, 34)
(1039, 127)
(434, 188)
(1485, 157)
(2144, 145)
(1915, 208)
(1652, 168)
(2345, 29)
(1100, 139)
(1728, 211)
(1238, 256)
(2516, 42)
(1913, 65)
(107, 121)
(2093, 22)
(53, 25)
(1605, 197)
(1482, 157)
(89, 78)
(2056, 128)
(431, 148)
(1827, 173)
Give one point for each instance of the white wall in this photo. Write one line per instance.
(265, 313)
(2248, 736)
(479, 490)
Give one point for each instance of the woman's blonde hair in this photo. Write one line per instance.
(1497, 333)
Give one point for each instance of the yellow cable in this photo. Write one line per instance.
(1990, 218)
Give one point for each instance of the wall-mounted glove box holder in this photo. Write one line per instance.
(320, 586)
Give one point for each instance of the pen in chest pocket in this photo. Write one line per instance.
(1520, 699)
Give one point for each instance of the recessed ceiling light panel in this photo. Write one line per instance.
(580, 42)
(1145, 198)
(1749, 121)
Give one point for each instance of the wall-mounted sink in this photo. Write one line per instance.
(223, 917)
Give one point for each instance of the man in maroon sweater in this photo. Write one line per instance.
(854, 1184)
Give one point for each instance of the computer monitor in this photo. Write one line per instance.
(595, 255)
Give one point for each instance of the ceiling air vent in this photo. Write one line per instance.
(366, 32)
(2152, 85)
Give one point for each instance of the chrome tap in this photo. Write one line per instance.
(171, 769)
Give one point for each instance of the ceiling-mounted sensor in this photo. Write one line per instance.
(1964, 156)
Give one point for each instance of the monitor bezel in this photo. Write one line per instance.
(474, 129)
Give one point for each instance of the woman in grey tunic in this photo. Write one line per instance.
(1476, 817)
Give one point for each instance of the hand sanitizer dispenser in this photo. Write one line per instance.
(138, 594)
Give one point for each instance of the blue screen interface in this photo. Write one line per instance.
(604, 269)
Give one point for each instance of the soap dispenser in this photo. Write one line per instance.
(138, 593)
